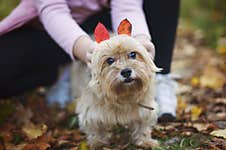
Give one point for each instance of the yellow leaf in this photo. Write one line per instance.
(221, 47)
(33, 131)
(212, 78)
(182, 105)
(195, 112)
(83, 146)
(219, 133)
(71, 107)
(195, 81)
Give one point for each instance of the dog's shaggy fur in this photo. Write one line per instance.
(108, 100)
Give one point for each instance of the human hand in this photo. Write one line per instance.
(146, 42)
(83, 49)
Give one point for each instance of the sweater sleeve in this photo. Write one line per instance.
(133, 11)
(56, 17)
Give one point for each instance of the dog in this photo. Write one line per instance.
(120, 91)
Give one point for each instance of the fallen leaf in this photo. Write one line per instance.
(216, 116)
(74, 148)
(220, 100)
(195, 81)
(33, 131)
(219, 133)
(181, 105)
(207, 127)
(212, 78)
(221, 46)
(37, 146)
(201, 126)
(83, 146)
(45, 138)
(215, 144)
(77, 136)
(10, 146)
(71, 107)
(195, 112)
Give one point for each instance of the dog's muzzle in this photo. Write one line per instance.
(127, 75)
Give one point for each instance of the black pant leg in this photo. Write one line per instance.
(162, 17)
(28, 58)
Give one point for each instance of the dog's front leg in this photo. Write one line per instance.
(141, 135)
(97, 135)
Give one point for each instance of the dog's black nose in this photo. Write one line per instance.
(126, 73)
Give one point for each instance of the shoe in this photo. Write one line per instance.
(166, 117)
(166, 96)
(60, 92)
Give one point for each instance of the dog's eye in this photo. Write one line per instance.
(110, 60)
(132, 55)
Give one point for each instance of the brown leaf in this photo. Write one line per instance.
(10, 146)
(36, 146)
(216, 144)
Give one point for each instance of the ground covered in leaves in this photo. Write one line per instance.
(27, 123)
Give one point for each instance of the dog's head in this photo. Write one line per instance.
(122, 67)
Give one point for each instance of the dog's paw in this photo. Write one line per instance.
(96, 142)
(95, 145)
(147, 143)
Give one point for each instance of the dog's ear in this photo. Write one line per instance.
(101, 33)
(125, 27)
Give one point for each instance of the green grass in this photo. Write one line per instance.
(183, 143)
(6, 7)
(209, 16)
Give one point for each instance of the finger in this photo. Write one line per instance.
(148, 45)
(88, 57)
(92, 48)
(151, 48)
(89, 65)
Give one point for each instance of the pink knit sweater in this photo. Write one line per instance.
(61, 18)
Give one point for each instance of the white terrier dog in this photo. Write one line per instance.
(121, 91)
